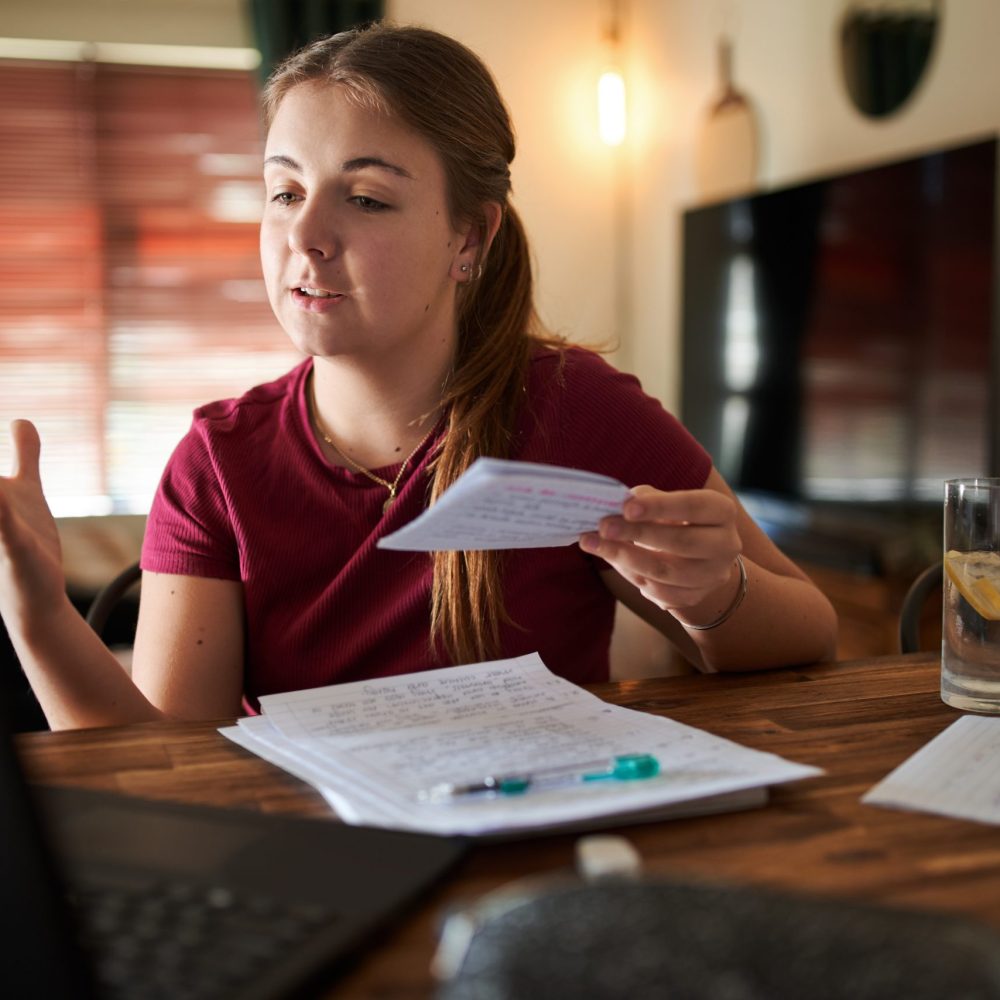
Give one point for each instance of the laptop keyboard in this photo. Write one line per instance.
(165, 942)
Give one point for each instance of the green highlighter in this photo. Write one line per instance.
(624, 767)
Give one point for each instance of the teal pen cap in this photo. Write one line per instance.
(627, 767)
(624, 767)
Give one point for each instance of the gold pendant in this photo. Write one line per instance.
(388, 503)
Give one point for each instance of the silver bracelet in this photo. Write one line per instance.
(731, 610)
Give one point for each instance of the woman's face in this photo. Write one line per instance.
(359, 253)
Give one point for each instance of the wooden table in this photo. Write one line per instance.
(857, 720)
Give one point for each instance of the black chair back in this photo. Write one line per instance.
(913, 605)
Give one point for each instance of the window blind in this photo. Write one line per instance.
(130, 286)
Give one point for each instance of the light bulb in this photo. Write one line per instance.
(611, 108)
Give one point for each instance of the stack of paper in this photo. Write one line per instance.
(499, 504)
(373, 747)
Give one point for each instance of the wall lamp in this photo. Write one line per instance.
(611, 105)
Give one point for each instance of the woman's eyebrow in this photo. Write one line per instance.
(364, 162)
(353, 165)
(283, 161)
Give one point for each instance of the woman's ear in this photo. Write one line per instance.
(478, 238)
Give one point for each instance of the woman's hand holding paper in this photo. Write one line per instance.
(678, 548)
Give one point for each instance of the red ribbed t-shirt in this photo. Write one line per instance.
(248, 496)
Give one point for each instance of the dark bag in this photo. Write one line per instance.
(622, 939)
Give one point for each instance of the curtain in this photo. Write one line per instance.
(130, 285)
(281, 26)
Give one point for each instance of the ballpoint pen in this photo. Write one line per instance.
(623, 767)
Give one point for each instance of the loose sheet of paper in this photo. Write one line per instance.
(956, 774)
(372, 747)
(499, 504)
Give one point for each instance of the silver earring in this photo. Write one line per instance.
(464, 268)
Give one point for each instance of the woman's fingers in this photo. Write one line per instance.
(669, 581)
(31, 581)
(683, 541)
(680, 507)
(676, 548)
(664, 534)
(27, 449)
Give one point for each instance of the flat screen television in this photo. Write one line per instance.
(839, 350)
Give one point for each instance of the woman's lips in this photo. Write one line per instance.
(315, 299)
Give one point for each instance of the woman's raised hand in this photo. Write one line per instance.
(31, 573)
(679, 548)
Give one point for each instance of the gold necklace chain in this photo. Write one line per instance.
(391, 487)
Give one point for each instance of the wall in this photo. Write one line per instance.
(148, 22)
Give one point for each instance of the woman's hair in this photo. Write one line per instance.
(440, 89)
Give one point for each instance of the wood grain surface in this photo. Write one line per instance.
(856, 720)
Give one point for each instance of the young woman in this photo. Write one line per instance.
(394, 260)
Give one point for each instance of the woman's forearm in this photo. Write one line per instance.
(783, 620)
(77, 680)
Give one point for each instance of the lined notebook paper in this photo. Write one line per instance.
(956, 774)
(372, 747)
(499, 504)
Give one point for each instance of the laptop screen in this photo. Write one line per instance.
(41, 956)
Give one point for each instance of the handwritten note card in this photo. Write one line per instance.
(372, 747)
(499, 504)
(956, 774)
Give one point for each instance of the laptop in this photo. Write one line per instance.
(108, 896)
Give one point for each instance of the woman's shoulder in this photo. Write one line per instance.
(235, 437)
(260, 406)
(573, 369)
(557, 354)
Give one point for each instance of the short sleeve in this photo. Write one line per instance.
(189, 529)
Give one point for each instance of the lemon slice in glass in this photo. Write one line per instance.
(976, 575)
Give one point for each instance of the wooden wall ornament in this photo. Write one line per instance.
(727, 148)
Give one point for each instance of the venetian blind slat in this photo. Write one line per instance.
(130, 285)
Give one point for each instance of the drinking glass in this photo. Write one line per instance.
(970, 646)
